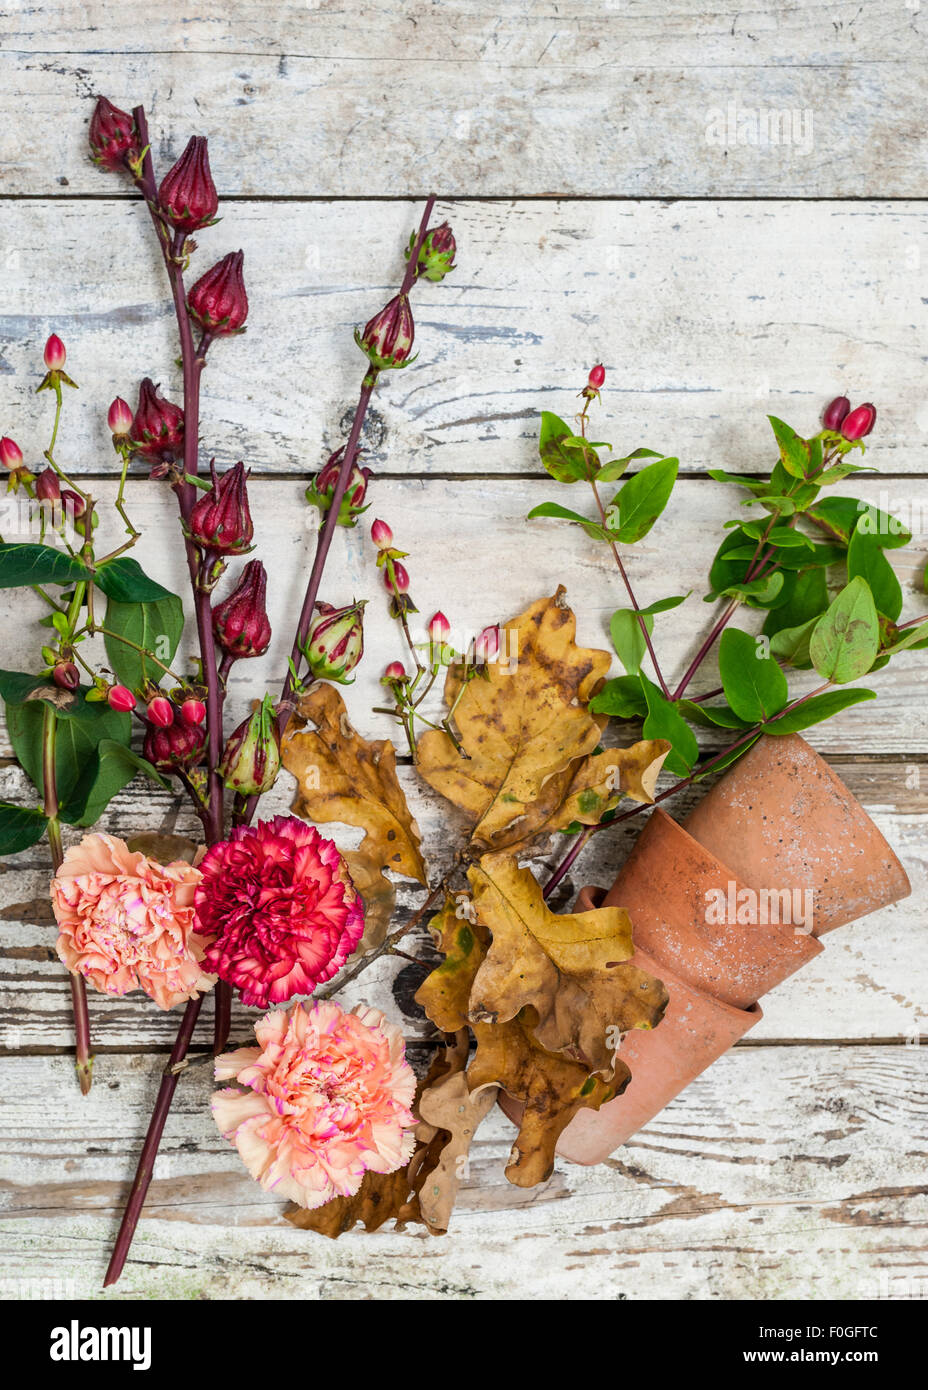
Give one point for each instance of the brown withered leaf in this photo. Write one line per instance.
(598, 782)
(344, 777)
(570, 968)
(522, 727)
(445, 993)
(448, 1107)
(380, 1198)
(550, 1088)
(164, 849)
(379, 896)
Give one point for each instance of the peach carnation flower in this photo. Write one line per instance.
(328, 1097)
(126, 922)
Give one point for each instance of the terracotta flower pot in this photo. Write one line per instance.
(781, 817)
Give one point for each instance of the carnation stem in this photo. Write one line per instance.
(146, 1164)
(83, 1061)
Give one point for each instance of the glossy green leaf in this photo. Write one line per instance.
(20, 827)
(124, 581)
(808, 599)
(622, 698)
(754, 685)
(80, 729)
(713, 716)
(111, 768)
(840, 516)
(794, 451)
(846, 639)
(642, 499)
(817, 708)
(791, 644)
(615, 468)
(628, 639)
(865, 558)
(23, 563)
(156, 626)
(665, 721)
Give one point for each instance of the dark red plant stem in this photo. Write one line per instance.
(704, 650)
(146, 1164)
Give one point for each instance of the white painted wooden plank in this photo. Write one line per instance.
(707, 316)
(781, 1173)
(523, 97)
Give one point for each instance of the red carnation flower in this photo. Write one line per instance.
(278, 910)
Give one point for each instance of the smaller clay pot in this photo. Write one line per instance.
(694, 1032)
(780, 817)
(674, 891)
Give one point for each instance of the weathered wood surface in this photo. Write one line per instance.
(708, 316)
(785, 1172)
(526, 97)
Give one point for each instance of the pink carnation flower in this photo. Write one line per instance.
(127, 922)
(328, 1097)
(278, 910)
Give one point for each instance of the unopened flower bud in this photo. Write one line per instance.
(120, 697)
(335, 643)
(112, 135)
(160, 712)
(218, 300)
(240, 621)
(597, 376)
(834, 413)
(251, 758)
(176, 748)
(396, 671)
(388, 337)
(398, 581)
(221, 519)
(47, 486)
(193, 711)
(381, 535)
(119, 418)
(439, 629)
(11, 455)
(73, 504)
(487, 644)
(860, 422)
(436, 254)
(322, 489)
(66, 675)
(157, 430)
(55, 354)
(187, 194)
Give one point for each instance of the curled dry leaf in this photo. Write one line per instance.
(570, 968)
(598, 783)
(445, 992)
(379, 896)
(164, 849)
(448, 1106)
(380, 1198)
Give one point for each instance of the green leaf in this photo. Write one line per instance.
(912, 637)
(567, 456)
(865, 558)
(754, 685)
(665, 721)
(739, 479)
(730, 757)
(840, 516)
(80, 729)
(642, 499)
(124, 581)
(774, 502)
(794, 451)
(622, 698)
(817, 708)
(26, 563)
(713, 716)
(808, 599)
(111, 768)
(628, 639)
(18, 686)
(791, 644)
(157, 626)
(614, 469)
(846, 639)
(757, 593)
(664, 605)
(20, 827)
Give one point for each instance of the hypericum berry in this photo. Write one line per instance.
(439, 629)
(11, 455)
(193, 711)
(157, 430)
(860, 422)
(55, 354)
(218, 300)
(47, 486)
(251, 758)
(335, 643)
(240, 622)
(399, 583)
(160, 712)
(487, 644)
(221, 519)
(119, 418)
(388, 337)
(381, 535)
(73, 503)
(597, 376)
(187, 195)
(396, 671)
(112, 135)
(174, 749)
(120, 697)
(834, 413)
(436, 254)
(66, 675)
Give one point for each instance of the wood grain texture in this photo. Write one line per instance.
(782, 1173)
(525, 97)
(708, 317)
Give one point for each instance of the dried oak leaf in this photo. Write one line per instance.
(344, 777)
(550, 1088)
(445, 993)
(379, 896)
(522, 728)
(380, 1197)
(570, 968)
(598, 783)
(448, 1106)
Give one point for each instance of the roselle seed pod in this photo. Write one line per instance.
(240, 622)
(119, 418)
(335, 643)
(597, 376)
(187, 195)
(176, 748)
(55, 354)
(11, 455)
(218, 301)
(47, 486)
(66, 675)
(322, 489)
(221, 519)
(381, 535)
(388, 337)
(251, 758)
(157, 430)
(160, 712)
(436, 254)
(834, 413)
(193, 711)
(120, 697)
(112, 135)
(860, 422)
